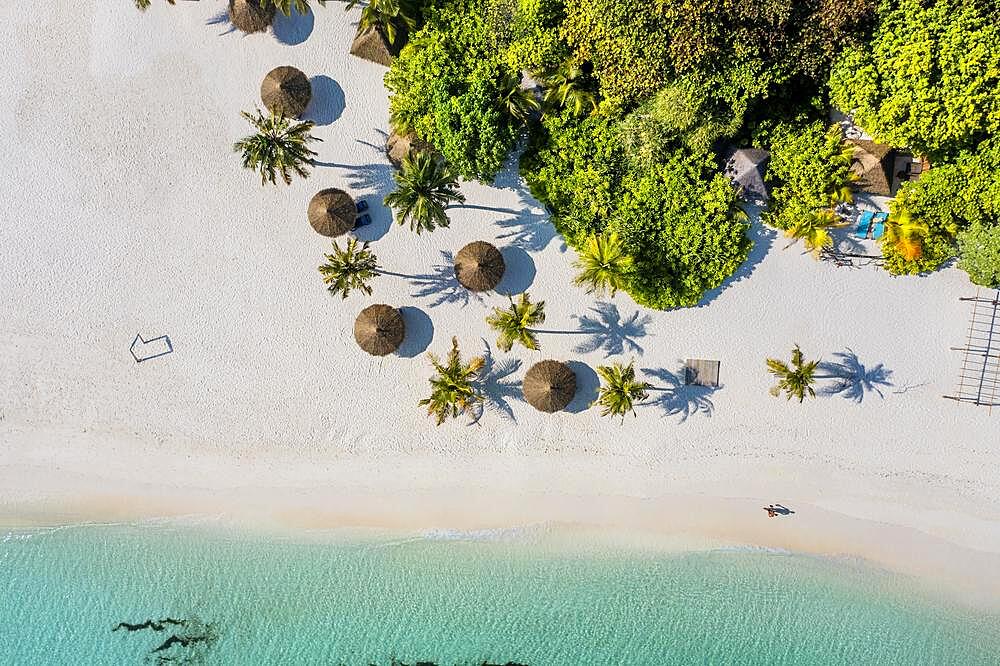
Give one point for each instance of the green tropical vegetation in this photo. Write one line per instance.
(425, 187)
(928, 77)
(351, 268)
(639, 101)
(515, 324)
(620, 390)
(795, 381)
(278, 147)
(453, 385)
(810, 168)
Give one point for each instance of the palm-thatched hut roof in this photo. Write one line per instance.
(745, 168)
(248, 16)
(397, 146)
(372, 45)
(873, 164)
(332, 212)
(479, 266)
(379, 329)
(549, 386)
(286, 90)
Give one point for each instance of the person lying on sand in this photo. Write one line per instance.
(771, 511)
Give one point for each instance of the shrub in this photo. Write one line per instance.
(979, 248)
(809, 169)
(676, 221)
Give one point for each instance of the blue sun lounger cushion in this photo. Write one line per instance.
(864, 221)
(879, 227)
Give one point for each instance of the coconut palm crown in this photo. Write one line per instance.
(603, 264)
(453, 388)
(389, 17)
(144, 4)
(904, 232)
(514, 324)
(285, 6)
(620, 390)
(567, 88)
(813, 229)
(795, 381)
(424, 187)
(353, 267)
(515, 101)
(279, 147)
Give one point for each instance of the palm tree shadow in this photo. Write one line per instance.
(222, 18)
(497, 389)
(606, 330)
(853, 379)
(529, 230)
(442, 285)
(673, 397)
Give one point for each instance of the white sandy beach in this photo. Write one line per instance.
(124, 211)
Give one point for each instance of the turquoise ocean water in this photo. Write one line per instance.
(529, 597)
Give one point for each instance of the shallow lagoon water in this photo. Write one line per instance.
(531, 597)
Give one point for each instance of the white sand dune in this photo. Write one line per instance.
(124, 210)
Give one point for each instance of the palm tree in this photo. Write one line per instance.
(812, 229)
(620, 390)
(354, 267)
(453, 390)
(424, 187)
(603, 263)
(517, 102)
(905, 233)
(795, 381)
(279, 146)
(285, 6)
(144, 4)
(386, 16)
(514, 324)
(567, 88)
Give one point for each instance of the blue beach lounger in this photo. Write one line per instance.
(864, 221)
(879, 227)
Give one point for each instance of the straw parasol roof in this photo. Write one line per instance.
(372, 45)
(873, 164)
(398, 145)
(479, 266)
(332, 212)
(286, 90)
(549, 386)
(248, 16)
(379, 329)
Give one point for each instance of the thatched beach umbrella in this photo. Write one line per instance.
(549, 386)
(248, 16)
(372, 45)
(397, 146)
(379, 329)
(332, 212)
(286, 90)
(479, 266)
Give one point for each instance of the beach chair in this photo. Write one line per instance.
(864, 222)
(879, 228)
(363, 221)
(362, 206)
